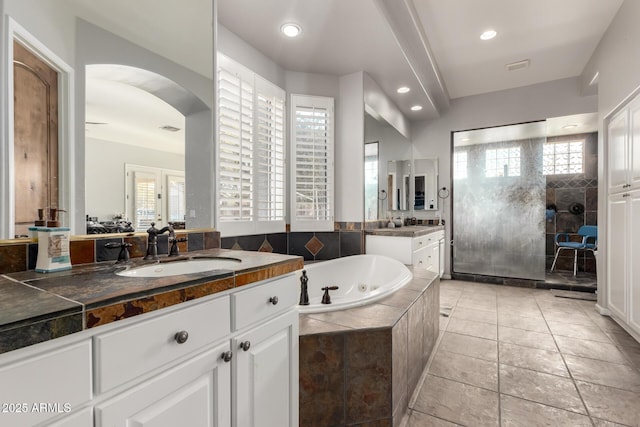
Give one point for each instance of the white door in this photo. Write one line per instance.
(617, 138)
(195, 394)
(266, 374)
(617, 256)
(633, 237)
(154, 195)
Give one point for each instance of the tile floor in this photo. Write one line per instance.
(522, 357)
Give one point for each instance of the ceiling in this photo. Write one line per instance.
(340, 37)
(431, 46)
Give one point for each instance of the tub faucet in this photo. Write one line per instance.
(152, 240)
(326, 299)
(304, 291)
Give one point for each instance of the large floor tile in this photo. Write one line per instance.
(604, 373)
(517, 412)
(532, 313)
(586, 332)
(476, 329)
(603, 423)
(418, 419)
(469, 346)
(465, 369)
(526, 338)
(540, 387)
(611, 404)
(549, 362)
(457, 402)
(576, 318)
(475, 315)
(590, 349)
(622, 339)
(527, 323)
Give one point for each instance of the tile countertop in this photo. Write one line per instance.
(406, 231)
(36, 307)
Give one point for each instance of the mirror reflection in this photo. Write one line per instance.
(386, 190)
(425, 177)
(134, 122)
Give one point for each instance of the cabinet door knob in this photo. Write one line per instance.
(227, 356)
(245, 345)
(181, 337)
(273, 300)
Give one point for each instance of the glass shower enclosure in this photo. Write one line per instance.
(499, 194)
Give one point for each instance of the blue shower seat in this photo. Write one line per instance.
(589, 234)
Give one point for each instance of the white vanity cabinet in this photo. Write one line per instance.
(622, 255)
(195, 393)
(219, 361)
(265, 368)
(237, 367)
(424, 250)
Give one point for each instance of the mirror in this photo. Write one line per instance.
(398, 185)
(425, 177)
(387, 173)
(166, 41)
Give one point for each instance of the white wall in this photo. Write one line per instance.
(383, 107)
(617, 60)
(525, 104)
(105, 173)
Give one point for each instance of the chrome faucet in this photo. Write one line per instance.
(152, 240)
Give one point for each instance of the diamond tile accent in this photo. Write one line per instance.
(314, 245)
(236, 246)
(265, 247)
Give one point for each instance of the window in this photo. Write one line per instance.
(312, 169)
(251, 154)
(563, 157)
(502, 162)
(460, 165)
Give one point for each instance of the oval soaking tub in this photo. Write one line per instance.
(361, 279)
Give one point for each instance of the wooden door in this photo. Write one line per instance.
(35, 137)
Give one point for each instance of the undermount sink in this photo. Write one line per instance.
(176, 268)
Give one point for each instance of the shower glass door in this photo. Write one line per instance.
(499, 194)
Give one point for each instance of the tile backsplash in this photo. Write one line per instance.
(21, 255)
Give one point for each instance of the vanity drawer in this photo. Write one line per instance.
(257, 304)
(59, 379)
(125, 354)
(426, 240)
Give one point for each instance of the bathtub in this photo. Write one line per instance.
(361, 279)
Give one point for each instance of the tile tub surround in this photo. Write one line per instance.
(21, 254)
(35, 307)
(536, 360)
(360, 366)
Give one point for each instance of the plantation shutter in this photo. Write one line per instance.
(251, 152)
(312, 138)
(145, 195)
(235, 146)
(270, 153)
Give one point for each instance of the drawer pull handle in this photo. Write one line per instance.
(181, 337)
(273, 300)
(227, 356)
(245, 345)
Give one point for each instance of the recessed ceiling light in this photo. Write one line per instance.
(291, 30)
(403, 89)
(465, 139)
(416, 108)
(569, 126)
(488, 35)
(169, 128)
